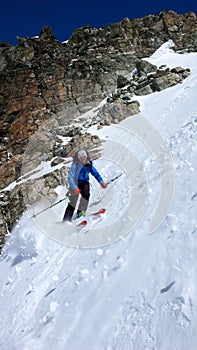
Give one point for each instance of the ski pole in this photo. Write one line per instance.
(115, 178)
(52, 205)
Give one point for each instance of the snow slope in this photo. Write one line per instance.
(138, 290)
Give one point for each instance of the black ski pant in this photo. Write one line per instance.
(73, 198)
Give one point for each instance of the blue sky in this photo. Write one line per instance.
(25, 18)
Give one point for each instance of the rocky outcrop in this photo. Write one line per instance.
(146, 79)
(24, 195)
(41, 76)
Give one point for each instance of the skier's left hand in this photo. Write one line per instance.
(104, 184)
(77, 191)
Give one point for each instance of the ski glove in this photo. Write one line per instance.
(104, 184)
(77, 191)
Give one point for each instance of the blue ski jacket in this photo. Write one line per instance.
(79, 173)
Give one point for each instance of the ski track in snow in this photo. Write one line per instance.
(138, 293)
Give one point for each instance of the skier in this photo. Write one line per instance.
(78, 180)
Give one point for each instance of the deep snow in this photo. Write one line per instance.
(137, 290)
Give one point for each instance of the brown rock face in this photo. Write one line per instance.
(41, 76)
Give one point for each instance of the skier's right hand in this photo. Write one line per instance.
(77, 191)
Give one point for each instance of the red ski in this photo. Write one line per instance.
(82, 223)
(100, 211)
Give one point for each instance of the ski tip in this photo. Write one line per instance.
(83, 223)
(102, 211)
